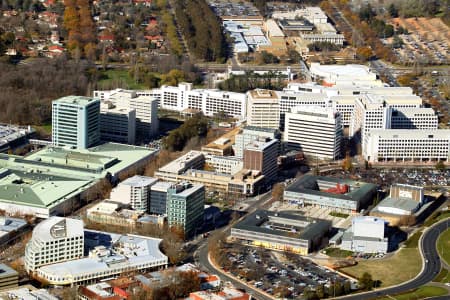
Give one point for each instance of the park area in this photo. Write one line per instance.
(428, 38)
(443, 246)
(421, 293)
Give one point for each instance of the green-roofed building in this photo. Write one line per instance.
(75, 122)
(336, 193)
(284, 231)
(53, 181)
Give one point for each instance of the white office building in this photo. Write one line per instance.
(341, 75)
(263, 109)
(117, 124)
(145, 106)
(250, 134)
(424, 118)
(314, 130)
(407, 145)
(54, 240)
(75, 122)
(134, 191)
(191, 160)
(366, 235)
(224, 164)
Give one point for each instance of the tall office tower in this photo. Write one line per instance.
(54, 240)
(134, 191)
(263, 109)
(185, 206)
(75, 122)
(158, 197)
(316, 131)
(261, 155)
(117, 124)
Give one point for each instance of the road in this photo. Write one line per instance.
(431, 265)
(201, 256)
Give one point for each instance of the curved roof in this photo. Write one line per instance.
(58, 227)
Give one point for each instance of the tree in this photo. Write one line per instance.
(393, 11)
(278, 191)
(364, 53)
(440, 166)
(347, 163)
(366, 282)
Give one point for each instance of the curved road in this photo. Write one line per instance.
(431, 265)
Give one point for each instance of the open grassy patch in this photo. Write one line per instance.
(413, 241)
(119, 78)
(443, 246)
(339, 215)
(336, 252)
(402, 266)
(443, 276)
(420, 293)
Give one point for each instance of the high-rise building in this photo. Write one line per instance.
(185, 206)
(158, 197)
(54, 240)
(75, 122)
(117, 124)
(251, 133)
(315, 131)
(261, 155)
(134, 191)
(263, 109)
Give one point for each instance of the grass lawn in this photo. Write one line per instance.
(402, 266)
(120, 77)
(420, 293)
(338, 215)
(437, 216)
(336, 252)
(443, 276)
(413, 241)
(44, 130)
(443, 246)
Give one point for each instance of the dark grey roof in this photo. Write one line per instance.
(254, 222)
(308, 185)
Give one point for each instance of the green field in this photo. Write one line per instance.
(402, 266)
(443, 246)
(336, 252)
(443, 276)
(413, 241)
(118, 78)
(420, 293)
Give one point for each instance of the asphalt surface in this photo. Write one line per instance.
(432, 266)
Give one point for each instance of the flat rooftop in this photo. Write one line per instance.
(139, 181)
(7, 271)
(225, 141)
(263, 94)
(180, 163)
(397, 203)
(286, 224)
(76, 100)
(309, 184)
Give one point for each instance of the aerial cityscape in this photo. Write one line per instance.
(224, 149)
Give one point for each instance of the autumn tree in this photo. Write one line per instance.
(278, 191)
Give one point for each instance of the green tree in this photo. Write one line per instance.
(366, 282)
(440, 166)
(393, 11)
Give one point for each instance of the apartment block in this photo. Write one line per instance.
(314, 131)
(75, 122)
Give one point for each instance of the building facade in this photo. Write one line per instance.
(117, 124)
(185, 206)
(134, 191)
(75, 122)
(315, 131)
(54, 240)
(263, 109)
(158, 197)
(261, 155)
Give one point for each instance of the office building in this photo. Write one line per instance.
(75, 122)
(263, 109)
(108, 212)
(108, 254)
(223, 164)
(54, 240)
(281, 231)
(134, 191)
(223, 145)
(185, 205)
(261, 155)
(9, 278)
(341, 75)
(424, 118)
(117, 124)
(11, 228)
(407, 145)
(366, 235)
(315, 131)
(191, 160)
(250, 134)
(226, 293)
(339, 194)
(144, 105)
(158, 197)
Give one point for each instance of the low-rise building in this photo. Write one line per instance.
(134, 191)
(281, 231)
(9, 278)
(366, 235)
(191, 160)
(342, 194)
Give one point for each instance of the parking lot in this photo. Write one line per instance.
(282, 274)
(428, 40)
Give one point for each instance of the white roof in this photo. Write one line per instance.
(73, 227)
(139, 181)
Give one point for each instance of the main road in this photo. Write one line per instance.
(431, 265)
